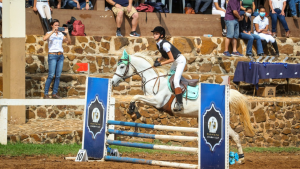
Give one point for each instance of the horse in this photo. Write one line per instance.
(157, 94)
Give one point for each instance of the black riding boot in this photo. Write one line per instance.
(276, 48)
(50, 20)
(178, 104)
(45, 22)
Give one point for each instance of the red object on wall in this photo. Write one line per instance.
(83, 67)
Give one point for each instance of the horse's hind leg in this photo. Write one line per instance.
(236, 139)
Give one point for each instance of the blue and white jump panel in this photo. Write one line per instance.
(95, 116)
(213, 123)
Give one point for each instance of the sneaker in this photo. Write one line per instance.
(295, 17)
(55, 96)
(119, 34)
(261, 54)
(178, 106)
(237, 54)
(250, 55)
(46, 96)
(134, 34)
(224, 32)
(227, 54)
(27, 5)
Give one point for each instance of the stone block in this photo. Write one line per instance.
(184, 45)
(120, 42)
(207, 46)
(260, 115)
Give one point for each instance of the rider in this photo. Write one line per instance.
(171, 53)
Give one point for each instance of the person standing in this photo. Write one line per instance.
(43, 7)
(232, 18)
(172, 55)
(55, 57)
(261, 28)
(219, 8)
(245, 33)
(277, 11)
(121, 7)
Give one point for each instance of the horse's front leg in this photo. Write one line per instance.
(133, 110)
(235, 136)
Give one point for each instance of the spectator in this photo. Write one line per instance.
(204, 7)
(232, 17)
(43, 7)
(292, 4)
(218, 8)
(55, 56)
(261, 28)
(119, 7)
(27, 5)
(245, 33)
(248, 3)
(277, 11)
(80, 4)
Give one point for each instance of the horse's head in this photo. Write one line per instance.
(124, 70)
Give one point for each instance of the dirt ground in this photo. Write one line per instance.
(252, 161)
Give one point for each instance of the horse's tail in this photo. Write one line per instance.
(238, 105)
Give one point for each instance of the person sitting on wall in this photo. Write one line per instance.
(119, 7)
(172, 54)
(219, 8)
(277, 11)
(248, 3)
(261, 28)
(55, 56)
(204, 7)
(245, 33)
(43, 7)
(80, 4)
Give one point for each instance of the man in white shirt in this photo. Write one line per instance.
(277, 11)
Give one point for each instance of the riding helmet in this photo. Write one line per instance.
(161, 30)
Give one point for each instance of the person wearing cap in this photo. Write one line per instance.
(170, 54)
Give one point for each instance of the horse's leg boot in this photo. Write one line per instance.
(178, 104)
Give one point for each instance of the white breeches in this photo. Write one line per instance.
(218, 12)
(266, 37)
(44, 9)
(178, 65)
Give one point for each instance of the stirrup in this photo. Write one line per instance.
(179, 106)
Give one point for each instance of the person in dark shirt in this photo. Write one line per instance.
(80, 4)
(245, 33)
(232, 18)
(121, 7)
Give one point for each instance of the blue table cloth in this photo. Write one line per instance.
(251, 72)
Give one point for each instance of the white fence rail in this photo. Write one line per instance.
(35, 102)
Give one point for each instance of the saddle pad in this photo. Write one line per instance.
(193, 92)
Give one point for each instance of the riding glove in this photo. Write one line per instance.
(157, 63)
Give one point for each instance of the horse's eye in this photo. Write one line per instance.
(122, 67)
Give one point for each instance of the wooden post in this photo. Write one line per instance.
(13, 32)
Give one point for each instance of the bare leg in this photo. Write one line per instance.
(59, 4)
(134, 22)
(227, 41)
(234, 43)
(119, 19)
(236, 139)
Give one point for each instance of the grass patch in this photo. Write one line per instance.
(20, 149)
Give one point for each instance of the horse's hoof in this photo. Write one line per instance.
(241, 161)
(131, 108)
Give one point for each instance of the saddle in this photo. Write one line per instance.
(183, 83)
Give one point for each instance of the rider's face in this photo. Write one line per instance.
(156, 35)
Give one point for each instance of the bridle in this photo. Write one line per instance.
(123, 77)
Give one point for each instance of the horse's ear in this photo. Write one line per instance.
(125, 55)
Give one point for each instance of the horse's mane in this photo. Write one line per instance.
(150, 60)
